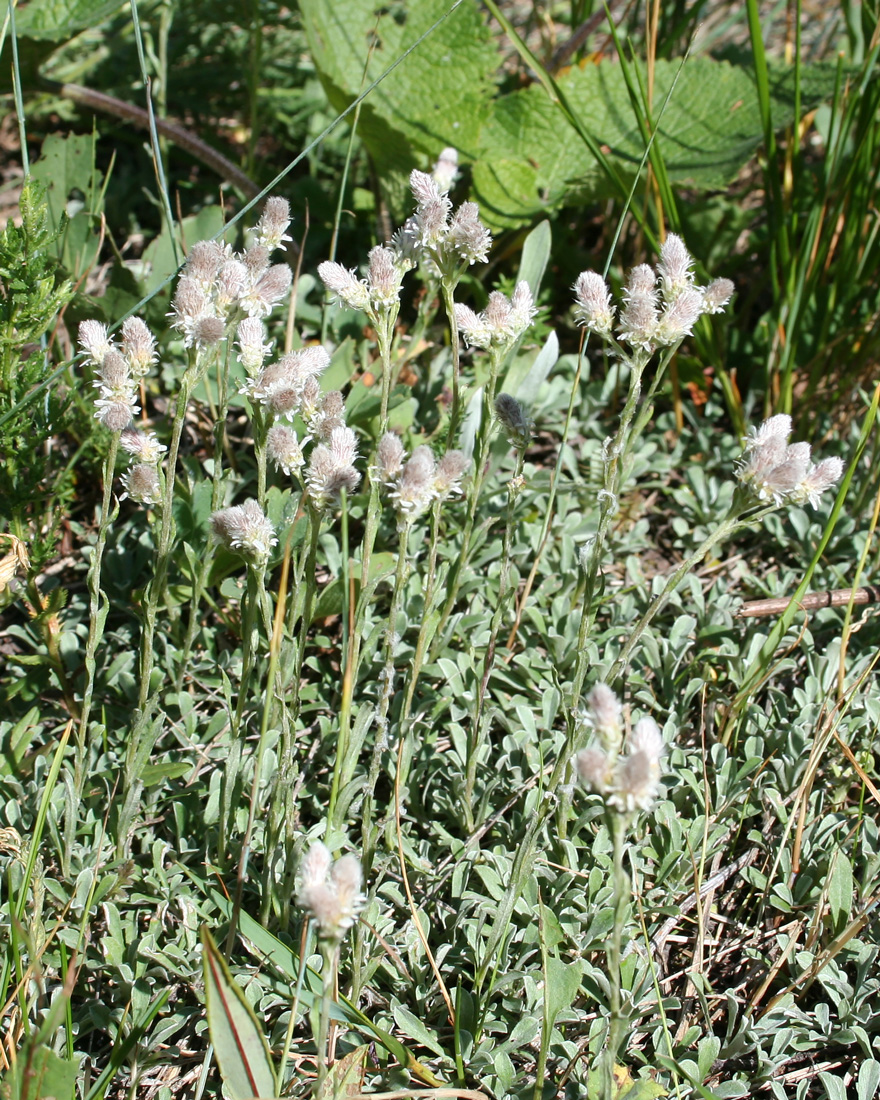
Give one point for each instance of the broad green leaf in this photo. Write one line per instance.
(412, 1026)
(868, 1080)
(531, 161)
(38, 1074)
(563, 983)
(241, 1050)
(57, 20)
(840, 889)
(437, 96)
(66, 168)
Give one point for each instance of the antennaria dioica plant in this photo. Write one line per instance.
(398, 505)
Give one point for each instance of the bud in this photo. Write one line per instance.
(637, 775)
(514, 420)
(445, 171)
(207, 331)
(819, 478)
(383, 279)
(679, 316)
(414, 489)
(268, 289)
(204, 262)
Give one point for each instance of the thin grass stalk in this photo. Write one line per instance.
(428, 610)
(374, 513)
(268, 700)
(96, 618)
(731, 523)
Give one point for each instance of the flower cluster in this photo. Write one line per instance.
(245, 528)
(118, 368)
(414, 484)
(772, 469)
(142, 480)
(439, 240)
(289, 386)
(378, 294)
(627, 781)
(217, 286)
(330, 892)
(501, 323)
(331, 468)
(659, 308)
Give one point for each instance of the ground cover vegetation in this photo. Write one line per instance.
(439, 491)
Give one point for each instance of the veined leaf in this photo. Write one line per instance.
(241, 1050)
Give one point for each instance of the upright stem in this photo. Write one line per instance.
(330, 955)
(447, 287)
(475, 738)
(381, 743)
(155, 593)
(96, 619)
(481, 456)
(727, 527)
(618, 825)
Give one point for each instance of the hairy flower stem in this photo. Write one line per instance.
(156, 589)
(380, 745)
(344, 766)
(447, 287)
(617, 451)
(428, 618)
(481, 469)
(384, 336)
(200, 579)
(330, 963)
(617, 824)
(262, 421)
(96, 617)
(475, 739)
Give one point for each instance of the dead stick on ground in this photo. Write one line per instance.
(837, 598)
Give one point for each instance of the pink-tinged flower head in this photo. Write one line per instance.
(138, 346)
(94, 341)
(271, 229)
(344, 285)
(141, 484)
(716, 295)
(245, 528)
(330, 893)
(593, 307)
(675, 267)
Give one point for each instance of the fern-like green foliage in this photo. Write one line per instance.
(33, 482)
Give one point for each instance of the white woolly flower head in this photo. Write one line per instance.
(330, 893)
(246, 528)
(773, 470)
